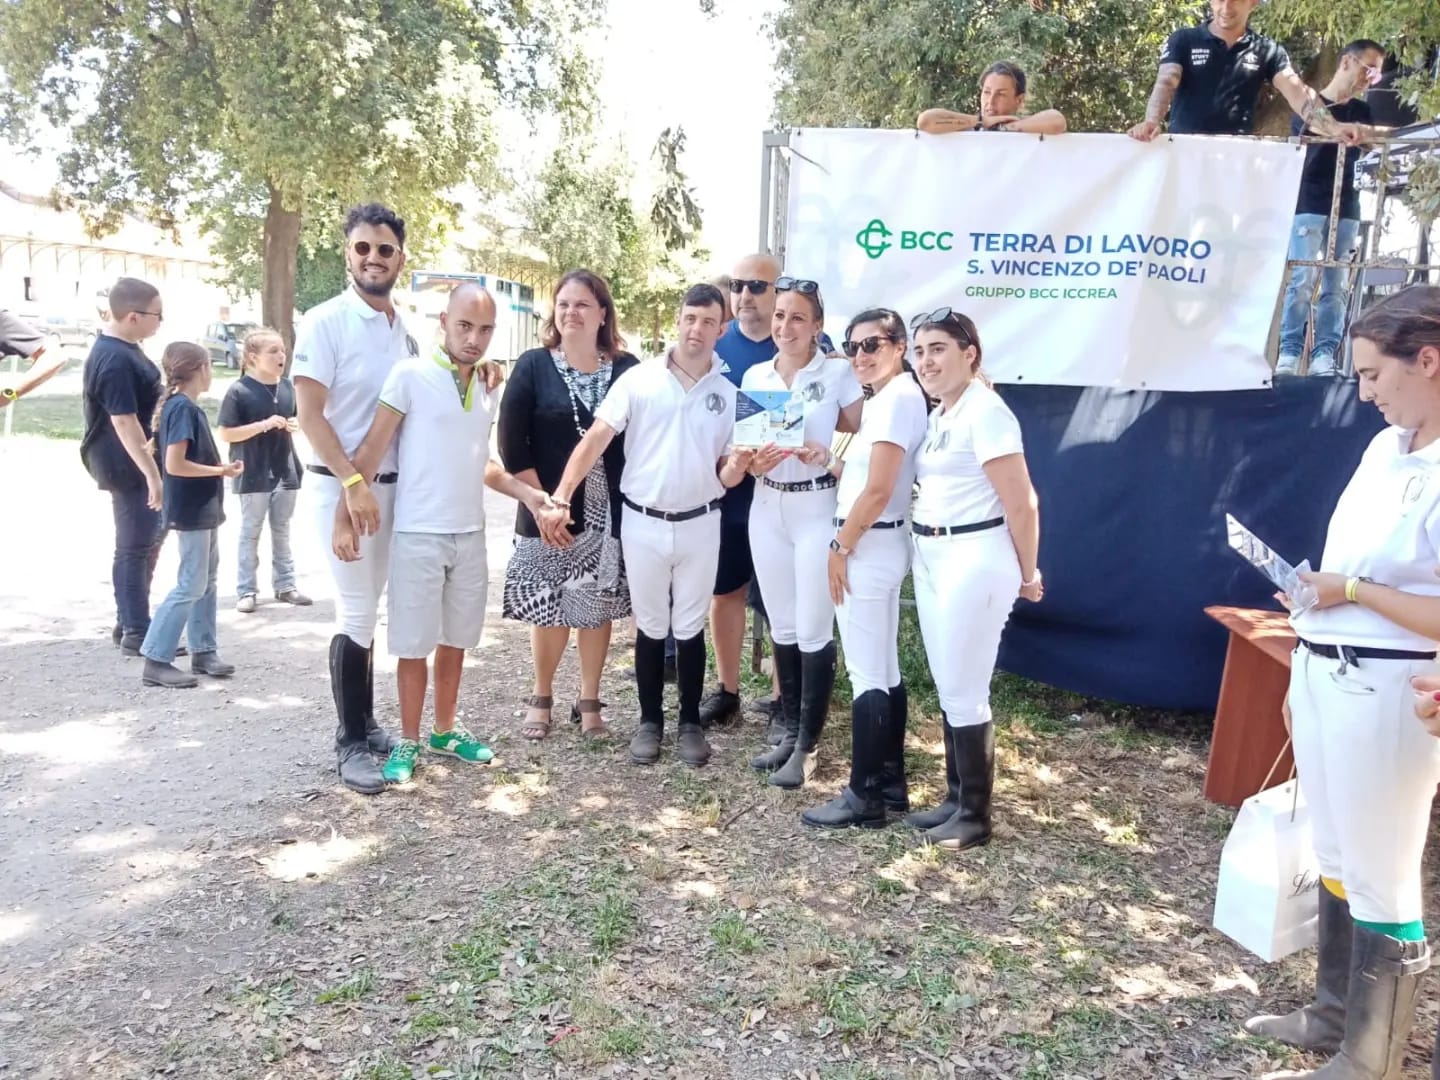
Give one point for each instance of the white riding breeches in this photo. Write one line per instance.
(869, 617)
(790, 534)
(358, 585)
(965, 588)
(1368, 769)
(671, 569)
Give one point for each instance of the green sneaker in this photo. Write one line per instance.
(457, 742)
(400, 765)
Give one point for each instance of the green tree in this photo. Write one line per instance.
(238, 110)
(673, 210)
(879, 63)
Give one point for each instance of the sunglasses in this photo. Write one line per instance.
(800, 285)
(364, 247)
(868, 346)
(755, 285)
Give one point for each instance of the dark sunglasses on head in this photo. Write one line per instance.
(800, 285)
(868, 346)
(363, 248)
(755, 285)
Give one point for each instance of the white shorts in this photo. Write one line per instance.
(438, 586)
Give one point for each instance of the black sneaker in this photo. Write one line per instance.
(209, 663)
(720, 707)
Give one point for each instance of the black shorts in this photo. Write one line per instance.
(735, 569)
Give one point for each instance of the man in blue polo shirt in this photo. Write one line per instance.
(746, 342)
(1213, 74)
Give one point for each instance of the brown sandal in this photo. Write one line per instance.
(585, 707)
(536, 730)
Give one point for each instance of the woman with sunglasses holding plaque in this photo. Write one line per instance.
(791, 523)
(976, 538)
(869, 555)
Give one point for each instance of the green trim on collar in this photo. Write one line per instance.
(466, 392)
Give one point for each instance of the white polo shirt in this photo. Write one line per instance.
(950, 467)
(674, 438)
(1386, 526)
(895, 415)
(828, 385)
(348, 347)
(442, 446)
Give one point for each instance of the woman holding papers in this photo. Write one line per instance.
(969, 566)
(869, 555)
(791, 521)
(1366, 764)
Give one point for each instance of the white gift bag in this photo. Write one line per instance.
(1266, 896)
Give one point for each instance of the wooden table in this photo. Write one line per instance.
(1249, 730)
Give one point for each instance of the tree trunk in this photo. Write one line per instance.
(277, 269)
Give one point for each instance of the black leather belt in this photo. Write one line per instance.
(380, 478)
(955, 530)
(673, 515)
(1351, 653)
(877, 525)
(819, 483)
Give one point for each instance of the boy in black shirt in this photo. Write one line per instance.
(194, 493)
(1360, 65)
(257, 419)
(121, 390)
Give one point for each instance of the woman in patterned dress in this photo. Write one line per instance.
(560, 578)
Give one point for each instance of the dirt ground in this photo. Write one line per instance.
(187, 892)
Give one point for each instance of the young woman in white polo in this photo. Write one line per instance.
(1367, 765)
(976, 539)
(791, 523)
(677, 413)
(869, 555)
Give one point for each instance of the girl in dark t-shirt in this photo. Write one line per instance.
(193, 508)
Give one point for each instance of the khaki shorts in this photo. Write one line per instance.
(438, 585)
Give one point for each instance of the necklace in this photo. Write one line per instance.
(571, 377)
(694, 379)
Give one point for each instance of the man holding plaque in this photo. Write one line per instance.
(677, 414)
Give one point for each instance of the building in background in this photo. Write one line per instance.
(517, 323)
(54, 274)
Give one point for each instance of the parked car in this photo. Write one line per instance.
(223, 340)
(63, 330)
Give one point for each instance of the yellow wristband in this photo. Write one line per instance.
(1352, 586)
(352, 481)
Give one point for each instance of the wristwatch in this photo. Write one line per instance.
(838, 547)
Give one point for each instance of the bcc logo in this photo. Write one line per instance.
(874, 239)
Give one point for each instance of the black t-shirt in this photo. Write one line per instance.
(1219, 86)
(119, 380)
(1317, 182)
(270, 458)
(191, 502)
(18, 338)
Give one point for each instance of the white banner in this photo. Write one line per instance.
(1085, 260)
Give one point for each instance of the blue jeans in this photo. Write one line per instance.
(279, 505)
(1307, 241)
(191, 604)
(137, 548)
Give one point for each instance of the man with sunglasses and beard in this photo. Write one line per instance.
(344, 350)
(745, 343)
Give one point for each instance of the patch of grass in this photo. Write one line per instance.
(614, 923)
(386, 1068)
(1081, 1039)
(625, 1041)
(731, 934)
(271, 999)
(352, 989)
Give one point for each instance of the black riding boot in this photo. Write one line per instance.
(969, 826)
(860, 804)
(349, 683)
(893, 788)
(377, 738)
(928, 819)
(817, 683)
(690, 744)
(650, 689)
(788, 673)
(1320, 1026)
